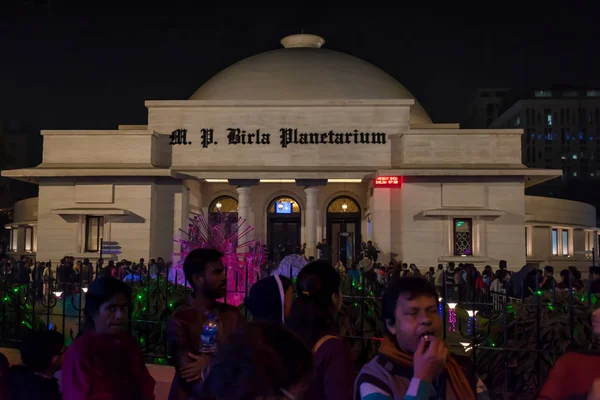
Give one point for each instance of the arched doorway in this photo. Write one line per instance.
(283, 227)
(343, 229)
(223, 211)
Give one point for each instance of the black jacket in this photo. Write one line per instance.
(26, 385)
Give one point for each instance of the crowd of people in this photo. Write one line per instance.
(71, 273)
(292, 348)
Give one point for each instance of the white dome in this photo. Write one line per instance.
(306, 72)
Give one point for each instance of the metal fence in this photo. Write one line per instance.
(513, 342)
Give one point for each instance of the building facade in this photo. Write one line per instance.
(304, 144)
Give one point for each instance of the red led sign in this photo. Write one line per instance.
(388, 181)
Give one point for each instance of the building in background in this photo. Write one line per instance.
(485, 107)
(561, 130)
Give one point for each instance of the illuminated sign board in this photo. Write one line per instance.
(388, 181)
(283, 207)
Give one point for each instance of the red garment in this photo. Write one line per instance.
(480, 284)
(106, 367)
(572, 376)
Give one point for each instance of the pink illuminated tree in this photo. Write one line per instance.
(228, 234)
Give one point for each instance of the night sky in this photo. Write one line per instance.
(92, 67)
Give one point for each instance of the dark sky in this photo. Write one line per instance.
(92, 66)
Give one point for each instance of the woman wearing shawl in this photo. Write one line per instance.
(313, 318)
(106, 362)
(414, 362)
(575, 375)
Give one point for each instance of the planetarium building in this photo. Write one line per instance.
(306, 144)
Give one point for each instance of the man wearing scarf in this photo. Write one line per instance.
(414, 363)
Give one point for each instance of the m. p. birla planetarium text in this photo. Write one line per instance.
(287, 137)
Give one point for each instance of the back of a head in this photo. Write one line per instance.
(39, 348)
(501, 274)
(259, 361)
(196, 261)
(313, 312)
(410, 286)
(266, 299)
(319, 281)
(4, 364)
(576, 273)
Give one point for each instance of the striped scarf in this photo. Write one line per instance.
(458, 380)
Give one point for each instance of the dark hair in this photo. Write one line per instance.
(502, 264)
(101, 291)
(564, 274)
(196, 261)
(38, 349)
(549, 269)
(413, 286)
(501, 274)
(4, 364)
(313, 314)
(595, 270)
(264, 302)
(575, 272)
(258, 361)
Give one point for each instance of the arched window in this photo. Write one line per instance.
(224, 204)
(343, 204)
(285, 205)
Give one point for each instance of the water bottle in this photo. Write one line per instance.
(208, 338)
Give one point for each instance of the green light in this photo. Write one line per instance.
(144, 309)
(360, 288)
(460, 223)
(171, 305)
(550, 307)
(371, 293)
(15, 290)
(493, 344)
(355, 304)
(140, 296)
(6, 298)
(539, 292)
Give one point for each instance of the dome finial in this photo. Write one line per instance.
(302, 40)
